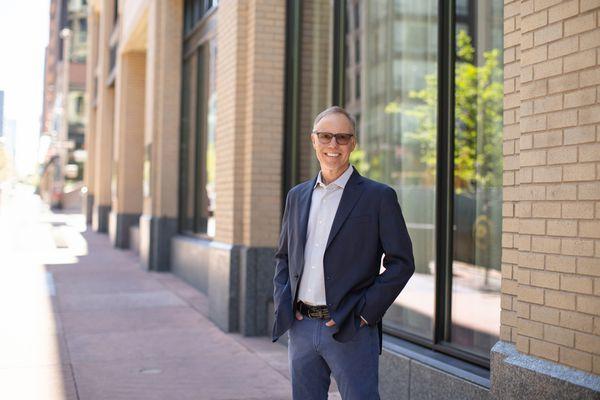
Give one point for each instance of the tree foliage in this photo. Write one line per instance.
(478, 97)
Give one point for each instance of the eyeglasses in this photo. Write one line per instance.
(340, 138)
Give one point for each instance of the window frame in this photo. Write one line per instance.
(196, 43)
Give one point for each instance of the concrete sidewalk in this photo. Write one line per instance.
(83, 321)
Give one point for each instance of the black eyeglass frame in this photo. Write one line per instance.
(337, 137)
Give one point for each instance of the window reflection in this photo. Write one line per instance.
(400, 44)
(198, 141)
(477, 226)
(315, 79)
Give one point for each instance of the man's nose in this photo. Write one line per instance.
(333, 142)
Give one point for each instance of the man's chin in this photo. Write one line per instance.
(333, 165)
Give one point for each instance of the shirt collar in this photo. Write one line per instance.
(341, 181)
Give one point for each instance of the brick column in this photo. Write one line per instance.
(236, 267)
(263, 122)
(162, 112)
(263, 151)
(129, 146)
(551, 226)
(231, 106)
(104, 125)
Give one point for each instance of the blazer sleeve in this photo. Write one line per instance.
(281, 284)
(398, 259)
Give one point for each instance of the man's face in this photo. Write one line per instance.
(333, 156)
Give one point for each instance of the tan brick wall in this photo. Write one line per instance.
(162, 108)
(104, 114)
(231, 97)
(129, 132)
(551, 211)
(249, 136)
(264, 122)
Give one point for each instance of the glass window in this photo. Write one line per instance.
(315, 79)
(83, 30)
(477, 180)
(198, 10)
(188, 145)
(397, 122)
(198, 142)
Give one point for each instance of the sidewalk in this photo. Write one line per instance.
(83, 321)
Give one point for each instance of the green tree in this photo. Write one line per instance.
(478, 99)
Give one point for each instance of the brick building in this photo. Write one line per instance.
(483, 115)
(63, 114)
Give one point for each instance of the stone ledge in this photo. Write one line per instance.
(519, 376)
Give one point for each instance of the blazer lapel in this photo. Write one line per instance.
(352, 193)
(304, 201)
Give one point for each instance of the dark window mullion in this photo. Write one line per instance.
(183, 149)
(338, 66)
(199, 167)
(290, 163)
(444, 182)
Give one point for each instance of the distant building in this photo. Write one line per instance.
(9, 134)
(64, 105)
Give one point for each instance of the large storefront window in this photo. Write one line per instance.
(198, 124)
(477, 176)
(439, 149)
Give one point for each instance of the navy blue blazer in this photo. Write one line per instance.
(368, 224)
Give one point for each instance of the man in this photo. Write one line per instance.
(328, 289)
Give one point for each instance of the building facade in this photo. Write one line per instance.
(63, 115)
(482, 115)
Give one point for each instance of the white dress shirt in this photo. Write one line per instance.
(324, 205)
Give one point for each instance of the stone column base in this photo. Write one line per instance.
(155, 241)
(238, 281)
(256, 290)
(519, 376)
(100, 218)
(88, 207)
(118, 228)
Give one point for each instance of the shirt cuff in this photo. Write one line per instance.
(364, 320)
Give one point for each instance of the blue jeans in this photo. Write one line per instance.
(314, 355)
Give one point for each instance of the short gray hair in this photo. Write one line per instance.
(336, 110)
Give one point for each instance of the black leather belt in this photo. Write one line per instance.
(313, 311)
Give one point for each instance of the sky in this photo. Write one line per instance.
(23, 39)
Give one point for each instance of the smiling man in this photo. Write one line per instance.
(328, 289)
